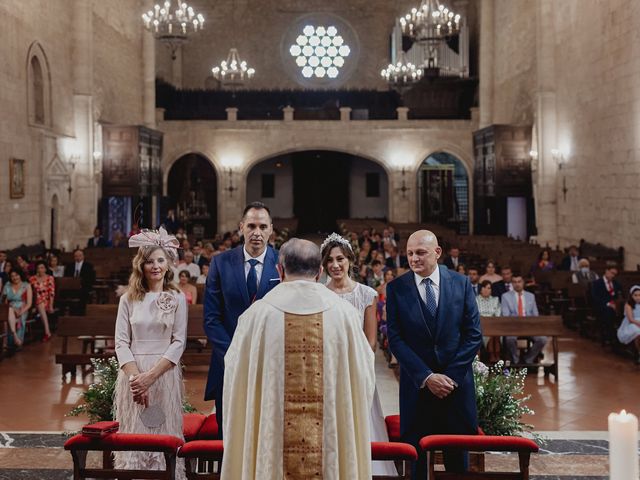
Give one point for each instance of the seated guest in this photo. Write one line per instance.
(23, 264)
(490, 273)
(584, 276)
(387, 236)
(3, 259)
(97, 240)
(474, 278)
(189, 290)
(192, 268)
(170, 222)
(118, 240)
(544, 263)
(520, 303)
(55, 268)
(629, 330)
(570, 263)
(181, 235)
(82, 270)
(4, 275)
(461, 269)
(605, 292)
(396, 260)
(503, 285)
(488, 305)
(376, 276)
(135, 229)
(453, 259)
(202, 278)
(382, 288)
(198, 256)
(17, 293)
(45, 289)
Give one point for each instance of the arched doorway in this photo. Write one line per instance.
(192, 190)
(443, 188)
(318, 187)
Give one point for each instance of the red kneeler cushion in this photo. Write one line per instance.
(191, 424)
(126, 442)
(478, 443)
(208, 449)
(209, 429)
(393, 427)
(393, 451)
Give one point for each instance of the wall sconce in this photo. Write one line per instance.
(559, 158)
(534, 160)
(72, 160)
(404, 189)
(230, 188)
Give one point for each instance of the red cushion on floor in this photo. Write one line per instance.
(480, 443)
(209, 449)
(393, 427)
(191, 424)
(393, 451)
(126, 442)
(209, 429)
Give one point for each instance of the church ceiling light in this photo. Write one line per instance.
(320, 51)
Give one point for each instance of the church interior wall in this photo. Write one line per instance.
(361, 206)
(598, 105)
(281, 204)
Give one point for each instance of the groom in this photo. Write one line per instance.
(433, 328)
(236, 279)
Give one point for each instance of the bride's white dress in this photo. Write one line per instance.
(361, 297)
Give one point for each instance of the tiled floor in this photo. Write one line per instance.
(592, 384)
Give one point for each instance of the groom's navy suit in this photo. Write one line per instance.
(226, 298)
(423, 345)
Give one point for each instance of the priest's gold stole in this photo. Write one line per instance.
(303, 396)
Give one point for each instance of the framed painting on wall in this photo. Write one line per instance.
(16, 178)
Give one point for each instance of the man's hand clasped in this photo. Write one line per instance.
(440, 385)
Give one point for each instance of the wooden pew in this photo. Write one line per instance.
(548, 326)
(99, 323)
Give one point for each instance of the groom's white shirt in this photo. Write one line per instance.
(254, 386)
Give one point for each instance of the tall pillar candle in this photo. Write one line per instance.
(623, 446)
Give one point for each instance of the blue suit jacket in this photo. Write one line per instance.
(449, 350)
(225, 299)
(509, 304)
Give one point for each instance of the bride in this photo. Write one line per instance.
(338, 261)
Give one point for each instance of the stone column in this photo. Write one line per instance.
(403, 113)
(83, 215)
(232, 114)
(487, 38)
(288, 113)
(345, 114)
(149, 75)
(546, 197)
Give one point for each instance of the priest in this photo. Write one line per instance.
(299, 380)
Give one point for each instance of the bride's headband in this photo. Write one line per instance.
(150, 238)
(334, 237)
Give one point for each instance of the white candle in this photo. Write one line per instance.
(623, 446)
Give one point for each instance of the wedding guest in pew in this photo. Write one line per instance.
(544, 263)
(584, 276)
(629, 330)
(57, 270)
(202, 278)
(605, 292)
(84, 271)
(488, 305)
(453, 259)
(490, 273)
(22, 262)
(97, 241)
(520, 303)
(3, 260)
(45, 288)
(571, 263)
(474, 278)
(504, 285)
(18, 294)
(185, 286)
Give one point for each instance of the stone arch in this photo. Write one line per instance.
(192, 192)
(177, 155)
(361, 189)
(38, 87)
(461, 179)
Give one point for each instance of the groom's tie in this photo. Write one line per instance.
(252, 280)
(431, 297)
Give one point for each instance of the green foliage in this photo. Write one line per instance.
(98, 399)
(501, 400)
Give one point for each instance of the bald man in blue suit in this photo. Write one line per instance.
(433, 328)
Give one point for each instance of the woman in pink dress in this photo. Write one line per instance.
(45, 289)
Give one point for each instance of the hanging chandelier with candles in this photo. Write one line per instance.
(172, 23)
(402, 74)
(233, 72)
(430, 21)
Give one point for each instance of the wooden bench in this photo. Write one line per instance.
(99, 323)
(548, 326)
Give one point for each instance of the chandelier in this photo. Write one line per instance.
(430, 24)
(172, 24)
(233, 72)
(402, 74)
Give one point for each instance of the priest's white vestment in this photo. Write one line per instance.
(298, 385)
